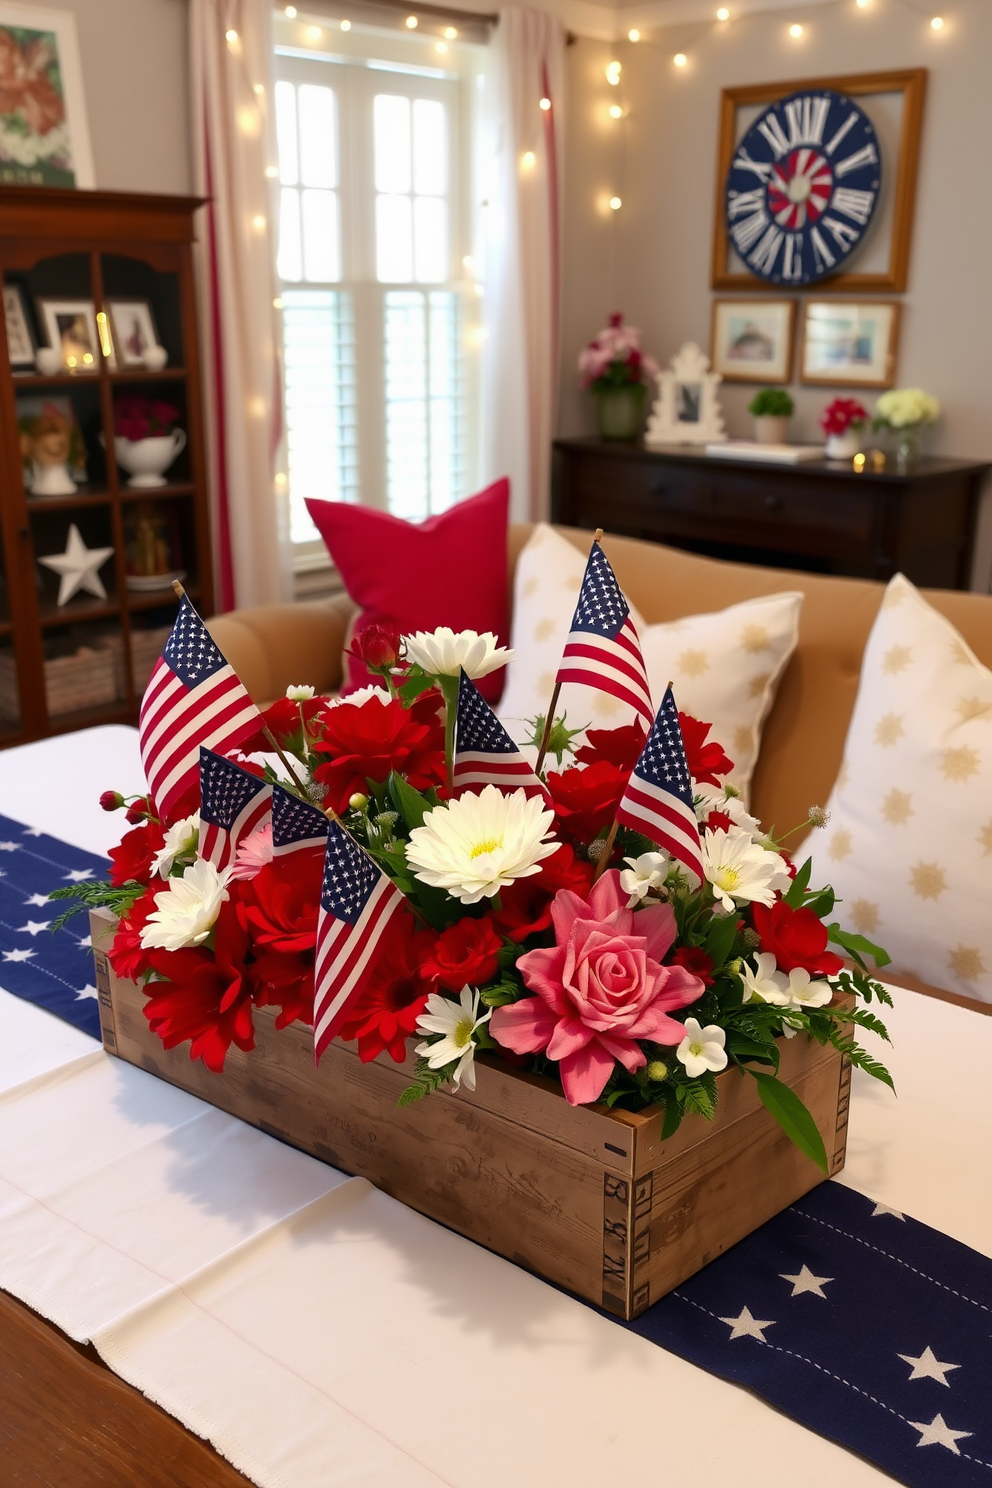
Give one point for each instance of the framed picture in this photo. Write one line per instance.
(20, 343)
(70, 326)
(751, 340)
(873, 225)
(686, 410)
(849, 344)
(44, 140)
(39, 418)
(133, 329)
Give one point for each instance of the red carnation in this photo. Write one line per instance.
(695, 960)
(466, 954)
(127, 955)
(705, 758)
(207, 998)
(394, 995)
(378, 646)
(620, 746)
(282, 718)
(132, 858)
(525, 904)
(796, 938)
(586, 800)
(364, 741)
(282, 903)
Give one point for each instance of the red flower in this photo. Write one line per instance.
(365, 741)
(620, 746)
(841, 415)
(281, 907)
(526, 903)
(127, 956)
(586, 800)
(132, 858)
(795, 937)
(718, 821)
(283, 721)
(378, 646)
(207, 998)
(705, 758)
(394, 995)
(286, 981)
(695, 960)
(466, 954)
(111, 801)
(139, 810)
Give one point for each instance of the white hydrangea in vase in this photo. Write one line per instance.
(906, 411)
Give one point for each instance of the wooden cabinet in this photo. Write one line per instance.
(86, 661)
(819, 515)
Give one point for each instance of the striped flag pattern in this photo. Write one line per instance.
(296, 825)
(484, 752)
(357, 901)
(193, 698)
(603, 650)
(658, 798)
(233, 803)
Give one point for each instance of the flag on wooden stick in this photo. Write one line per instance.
(484, 752)
(603, 650)
(233, 803)
(658, 798)
(296, 825)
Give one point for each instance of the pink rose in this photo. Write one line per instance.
(599, 990)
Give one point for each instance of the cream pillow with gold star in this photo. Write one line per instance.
(909, 843)
(724, 666)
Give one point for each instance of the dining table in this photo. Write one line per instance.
(188, 1301)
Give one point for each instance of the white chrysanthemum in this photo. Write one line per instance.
(301, 692)
(445, 653)
(458, 1021)
(702, 1049)
(361, 695)
(763, 982)
(475, 846)
(716, 798)
(740, 870)
(180, 840)
(185, 912)
(645, 873)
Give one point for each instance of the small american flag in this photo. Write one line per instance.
(357, 900)
(233, 803)
(484, 752)
(193, 698)
(658, 798)
(602, 649)
(296, 824)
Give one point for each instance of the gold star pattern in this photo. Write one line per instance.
(927, 880)
(743, 740)
(606, 706)
(758, 684)
(545, 684)
(985, 839)
(896, 659)
(966, 963)
(897, 807)
(889, 729)
(530, 587)
(960, 764)
(970, 708)
(693, 663)
(755, 638)
(894, 595)
(840, 845)
(960, 653)
(864, 916)
(844, 774)
(545, 629)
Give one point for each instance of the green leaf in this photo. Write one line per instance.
(822, 903)
(858, 945)
(721, 937)
(410, 804)
(502, 994)
(673, 1118)
(792, 1116)
(416, 684)
(797, 889)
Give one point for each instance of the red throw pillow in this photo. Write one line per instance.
(449, 570)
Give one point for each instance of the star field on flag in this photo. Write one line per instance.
(233, 803)
(484, 752)
(603, 650)
(658, 799)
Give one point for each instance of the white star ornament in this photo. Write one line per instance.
(77, 567)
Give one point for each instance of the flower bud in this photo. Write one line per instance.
(818, 816)
(111, 801)
(378, 646)
(657, 1070)
(358, 802)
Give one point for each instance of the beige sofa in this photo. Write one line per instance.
(804, 735)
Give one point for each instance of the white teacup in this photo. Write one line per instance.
(146, 460)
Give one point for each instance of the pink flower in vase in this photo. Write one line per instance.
(599, 989)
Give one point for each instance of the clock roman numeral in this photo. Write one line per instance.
(820, 250)
(806, 117)
(772, 130)
(739, 202)
(854, 204)
(761, 168)
(746, 232)
(792, 257)
(843, 234)
(764, 256)
(847, 125)
(867, 155)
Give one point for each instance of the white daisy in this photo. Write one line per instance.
(445, 653)
(702, 1048)
(185, 912)
(180, 841)
(458, 1021)
(361, 695)
(476, 845)
(740, 870)
(645, 873)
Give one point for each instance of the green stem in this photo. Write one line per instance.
(449, 691)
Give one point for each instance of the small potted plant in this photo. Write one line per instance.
(619, 373)
(771, 409)
(146, 438)
(906, 411)
(843, 422)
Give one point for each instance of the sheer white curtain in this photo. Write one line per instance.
(231, 59)
(523, 254)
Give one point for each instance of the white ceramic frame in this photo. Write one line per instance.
(688, 374)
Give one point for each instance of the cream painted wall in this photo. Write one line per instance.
(651, 259)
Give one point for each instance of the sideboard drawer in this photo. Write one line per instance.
(640, 488)
(831, 509)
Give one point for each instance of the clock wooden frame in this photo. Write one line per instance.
(911, 83)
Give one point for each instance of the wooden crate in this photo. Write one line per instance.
(589, 1198)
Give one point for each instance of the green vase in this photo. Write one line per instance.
(620, 411)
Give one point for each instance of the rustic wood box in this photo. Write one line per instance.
(589, 1198)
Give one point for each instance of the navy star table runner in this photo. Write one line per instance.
(54, 971)
(858, 1321)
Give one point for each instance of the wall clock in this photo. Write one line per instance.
(802, 187)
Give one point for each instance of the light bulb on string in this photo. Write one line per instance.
(616, 111)
(615, 204)
(633, 34)
(680, 59)
(613, 70)
(345, 25)
(412, 23)
(937, 24)
(291, 12)
(450, 32)
(544, 105)
(795, 30)
(723, 14)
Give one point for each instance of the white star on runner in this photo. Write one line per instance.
(77, 875)
(33, 927)
(87, 991)
(745, 1326)
(33, 832)
(937, 1432)
(928, 1367)
(85, 944)
(807, 1282)
(887, 1209)
(9, 846)
(38, 900)
(19, 955)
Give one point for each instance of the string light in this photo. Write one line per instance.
(616, 112)
(615, 203)
(231, 37)
(634, 35)
(345, 25)
(937, 24)
(544, 105)
(259, 88)
(680, 59)
(258, 222)
(450, 32)
(613, 74)
(412, 23)
(528, 160)
(291, 12)
(723, 14)
(277, 303)
(271, 171)
(861, 4)
(441, 46)
(314, 33)
(795, 30)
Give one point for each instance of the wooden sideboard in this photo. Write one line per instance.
(819, 516)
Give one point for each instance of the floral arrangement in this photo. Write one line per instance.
(144, 418)
(905, 408)
(534, 929)
(615, 359)
(843, 414)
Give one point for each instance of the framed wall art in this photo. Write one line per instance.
(686, 410)
(751, 340)
(20, 344)
(134, 332)
(849, 344)
(816, 183)
(44, 140)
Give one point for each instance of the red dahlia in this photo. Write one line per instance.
(706, 758)
(795, 937)
(360, 742)
(395, 992)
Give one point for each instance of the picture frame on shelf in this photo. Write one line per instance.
(38, 413)
(20, 341)
(752, 340)
(686, 410)
(44, 136)
(849, 343)
(71, 328)
(133, 331)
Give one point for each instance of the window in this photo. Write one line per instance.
(379, 304)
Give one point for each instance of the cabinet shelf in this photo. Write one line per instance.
(82, 498)
(158, 493)
(167, 374)
(80, 607)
